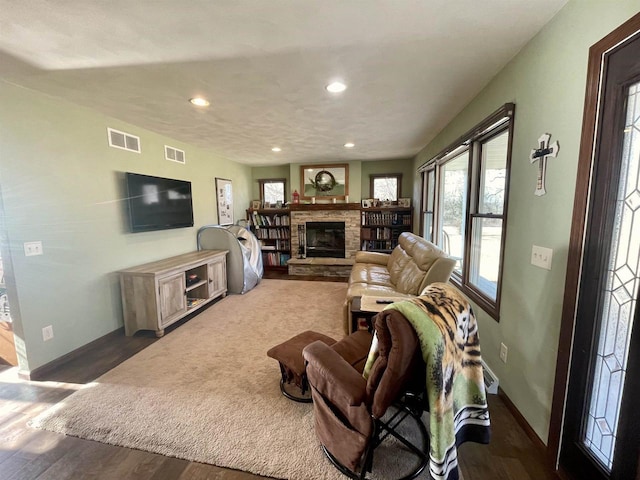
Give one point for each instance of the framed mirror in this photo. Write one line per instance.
(324, 181)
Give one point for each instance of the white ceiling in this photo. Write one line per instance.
(410, 66)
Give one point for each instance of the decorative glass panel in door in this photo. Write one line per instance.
(619, 297)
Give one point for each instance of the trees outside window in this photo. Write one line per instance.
(386, 186)
(272, 190)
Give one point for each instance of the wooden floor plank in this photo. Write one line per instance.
(90, 460)
(200, 471)
(136, 465)
(171, 469)
(37, 456)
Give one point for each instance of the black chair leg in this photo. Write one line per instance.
(380, 432)
(305, 397)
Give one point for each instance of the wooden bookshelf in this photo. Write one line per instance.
(380, 227)
(272, 227)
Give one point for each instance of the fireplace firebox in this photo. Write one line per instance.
(325, 239)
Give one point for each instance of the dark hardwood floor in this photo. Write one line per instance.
(28, 454)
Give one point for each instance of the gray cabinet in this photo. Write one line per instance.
(173, 302)
(157, 294)
(217, 276)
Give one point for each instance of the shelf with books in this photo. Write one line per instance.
(272, 228)
(275, 259)
(380, 227)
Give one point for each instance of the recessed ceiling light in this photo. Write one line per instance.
(276, 149)
(336, 87)
(199, 102)
(349, 145)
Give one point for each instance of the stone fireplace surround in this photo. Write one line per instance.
(349, 213)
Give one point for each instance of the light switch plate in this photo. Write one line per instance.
(47, 333)
(503, 352)
(541, 257)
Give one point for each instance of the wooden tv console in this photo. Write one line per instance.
(157, 294)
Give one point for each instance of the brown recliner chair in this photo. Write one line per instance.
(349, 409)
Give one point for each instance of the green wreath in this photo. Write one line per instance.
(324, 181)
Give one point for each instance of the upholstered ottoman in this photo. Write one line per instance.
(289, 356)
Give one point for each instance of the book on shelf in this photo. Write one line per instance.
(272, 234)
(255, 220)
(386, 218)
(377, 245)
(275, 259)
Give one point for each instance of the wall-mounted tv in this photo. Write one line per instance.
(158, 203)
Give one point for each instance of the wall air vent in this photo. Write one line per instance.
(174, 154)
(124, 141)
(490, 380)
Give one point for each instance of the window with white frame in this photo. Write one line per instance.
(464, 206)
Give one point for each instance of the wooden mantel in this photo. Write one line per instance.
(310, 207)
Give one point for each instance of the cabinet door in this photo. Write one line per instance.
(173, 301)
(217, 276)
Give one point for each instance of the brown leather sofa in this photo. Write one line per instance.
(405, 272)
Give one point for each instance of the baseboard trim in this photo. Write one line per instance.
(531, 433)
(538, 444)
(43, 371)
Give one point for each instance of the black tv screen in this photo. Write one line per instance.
(158, 203)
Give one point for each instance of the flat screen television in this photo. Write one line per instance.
(157, 203)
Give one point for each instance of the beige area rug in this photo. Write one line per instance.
(207, 391)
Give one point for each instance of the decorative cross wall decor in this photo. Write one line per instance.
(544, 150)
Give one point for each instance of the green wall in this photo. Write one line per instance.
(276, 171)
(63, 185)
(359, 172)
(546, 81)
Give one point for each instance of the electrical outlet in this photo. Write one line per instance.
(503, 352)
(32, 248)
(47, 333)
(541, 257)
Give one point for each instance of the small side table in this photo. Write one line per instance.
(360, 317)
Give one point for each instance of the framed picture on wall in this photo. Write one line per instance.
(224, 197)
(404, 202)
(324, 181)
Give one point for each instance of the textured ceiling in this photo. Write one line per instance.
(410, 66)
